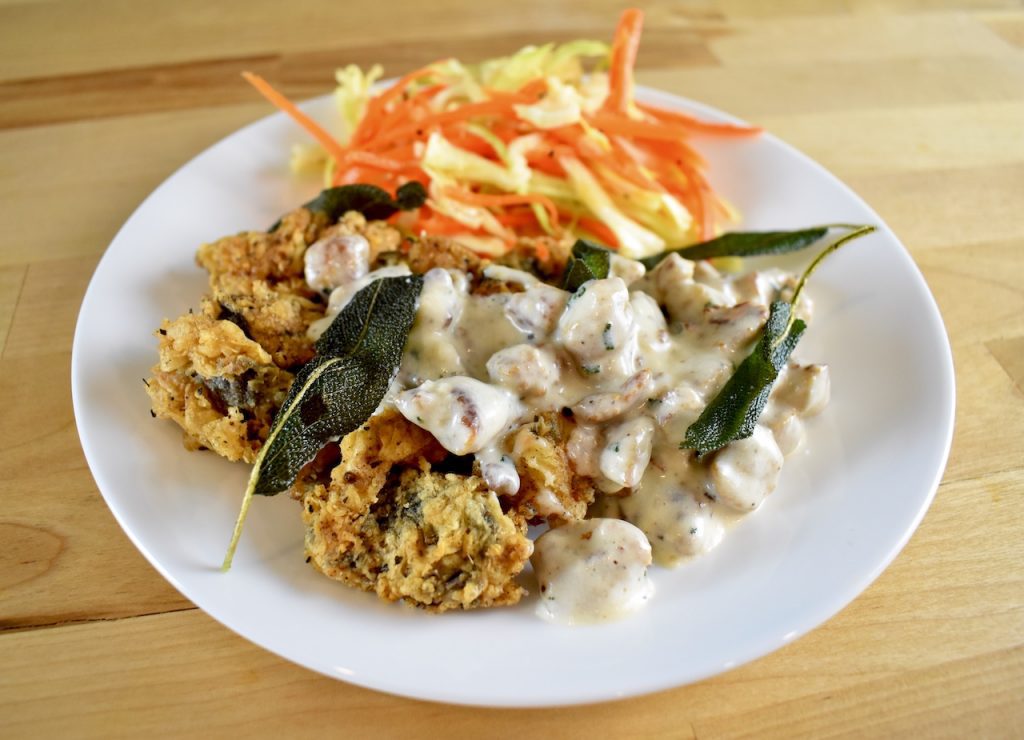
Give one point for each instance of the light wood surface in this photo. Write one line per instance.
(918, 105)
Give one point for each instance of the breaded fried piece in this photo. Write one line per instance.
(447, 544)
(275, 316)
(382, 236)
(273, 256)
(542, 256)
(386, 524)
(334, 512)
(438, 251)
(549, 488)
(220, 387)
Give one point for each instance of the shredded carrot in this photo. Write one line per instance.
(377, 109)
(326, 140)
(463, 139)
(534, 88)
(369, 176)
(414, 107)
(369, 159)
(615, 123)
(544, 163)
(697, 125)
(517, 219)
(598, 229)
(469, 111)
(625, 45)
(625, 144)
(511, 199)
(439, 224)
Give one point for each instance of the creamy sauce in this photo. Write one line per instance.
(634, 359)
(591, 571)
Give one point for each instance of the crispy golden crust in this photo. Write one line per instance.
(543, 256)
(273, 256)
(549, 488)
(447, 544)
(385, 523)
(432, 251)
(377, 516)
(275, 316)
(382, 237)
(220, 387)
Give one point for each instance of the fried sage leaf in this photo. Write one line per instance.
(733, 413)
(748, 244)
(373, 202)
(339, 389)
(588, 261)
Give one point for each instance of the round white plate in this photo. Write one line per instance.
(845, 506)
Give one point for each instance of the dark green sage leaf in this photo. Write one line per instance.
(588, 261)
(339, 389)
(733, 413)
(373, 202)
(356, 359)
(744, 244)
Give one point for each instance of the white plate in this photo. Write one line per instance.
(842, 511)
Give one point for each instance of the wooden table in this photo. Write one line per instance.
(919, 106)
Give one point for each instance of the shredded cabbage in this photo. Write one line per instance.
(352, 95)
(563, 62)
(634, 240)
(560, 107)
(443, 157)
(575, 87)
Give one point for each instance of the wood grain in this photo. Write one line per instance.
(917, 104)
(303, 74)
(11, 280)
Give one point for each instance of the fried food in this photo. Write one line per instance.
(549, 489)
(382, 237)
(219, 386)
(385, 523)
(277, 317)
(382, 509)
(272, 256)
(432, 251)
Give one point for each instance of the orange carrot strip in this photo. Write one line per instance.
(465, 112)
(598, 229)
(463, 139)
(509, 199)
(618, 162)
(352, 175)
(615, 123)
(401, 152)
(439, 225)
(377, 108)
(574, 136)
(697, 125)
(548, 165)
(516, 219)
(533, 89)
(704, 212)
(659, 151)
(625, 45)
(404, 81)
(412, 109)
(326, 140)
(369, 159)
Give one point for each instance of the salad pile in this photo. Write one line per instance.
(549, 141)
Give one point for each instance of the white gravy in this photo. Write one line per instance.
(635, 358)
